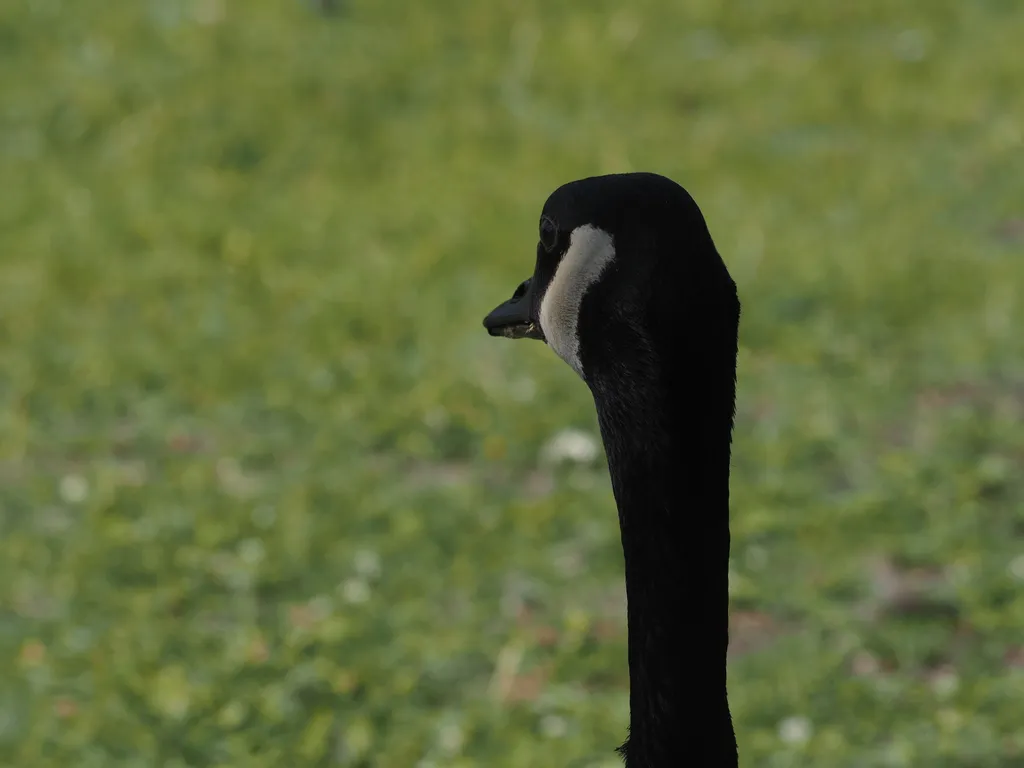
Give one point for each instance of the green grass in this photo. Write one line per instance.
(270, 495)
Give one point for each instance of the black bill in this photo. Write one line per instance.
(513, 318)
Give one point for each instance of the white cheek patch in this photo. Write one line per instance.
(590, 251)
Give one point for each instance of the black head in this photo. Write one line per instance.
(625, 266)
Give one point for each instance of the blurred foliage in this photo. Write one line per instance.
(270, 496)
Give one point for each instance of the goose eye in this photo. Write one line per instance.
(548, 233)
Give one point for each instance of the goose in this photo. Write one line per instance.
(629, 290)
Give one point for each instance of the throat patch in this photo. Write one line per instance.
(590, 251)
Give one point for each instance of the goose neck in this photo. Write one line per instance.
(669, 466)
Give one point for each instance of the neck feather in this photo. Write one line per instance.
(668, 448)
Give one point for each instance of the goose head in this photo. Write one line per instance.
(626, 277)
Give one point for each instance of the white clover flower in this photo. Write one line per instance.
(795, 730)
(572, 445)
(553, 726)
(945, 683)
(367, 563)
(355, 591)
(450, 738)
(910, 45)
(1016, 567)
(74, 489)
(251, 552)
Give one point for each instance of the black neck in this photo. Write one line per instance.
(668, 452)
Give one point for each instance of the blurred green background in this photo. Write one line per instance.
(272, 497)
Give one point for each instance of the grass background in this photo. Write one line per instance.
(270, 495)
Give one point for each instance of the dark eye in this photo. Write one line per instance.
(548, 233)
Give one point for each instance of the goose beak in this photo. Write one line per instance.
(512, 319)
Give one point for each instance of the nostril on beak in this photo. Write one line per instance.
(521, 290)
